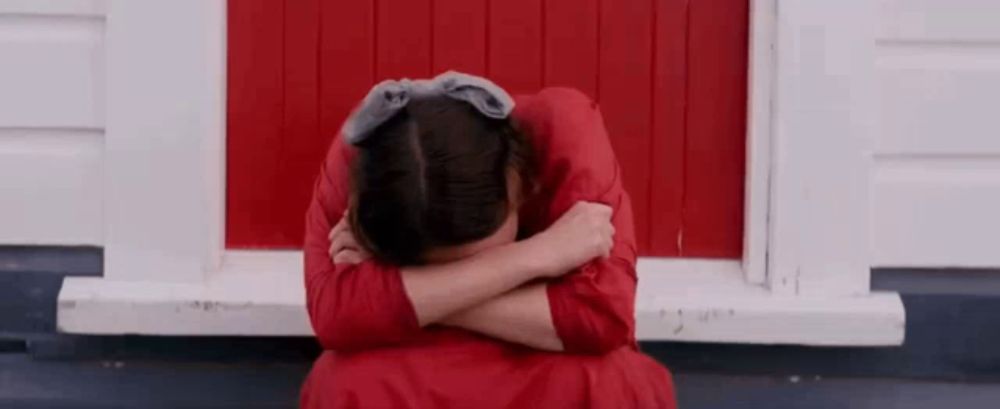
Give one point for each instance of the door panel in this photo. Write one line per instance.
(670, 76)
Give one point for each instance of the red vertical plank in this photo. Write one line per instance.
(514, 56)
(459, 36)
(254, 118)
(346, 60)
(716, 133)
(403, 46)
(669, 101)
(624, 91)
(300, 148)
(570, 44)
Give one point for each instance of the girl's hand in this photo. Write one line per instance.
(581, 234)
(344, 247)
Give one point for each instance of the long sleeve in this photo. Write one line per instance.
(592, 307)
(351, 307)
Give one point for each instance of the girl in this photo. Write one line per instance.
(467, 254)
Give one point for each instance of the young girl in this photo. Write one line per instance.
(468, 254)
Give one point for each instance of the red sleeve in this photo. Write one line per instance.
(351, 307)
(593, 307)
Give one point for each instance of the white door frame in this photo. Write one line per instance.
(803, 278)
(757, 184)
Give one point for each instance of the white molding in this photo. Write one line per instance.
(876, 319)
(759, 117)
(255, 293)
(260, 293)
(93, 8)
(824, 94)
(165, 139)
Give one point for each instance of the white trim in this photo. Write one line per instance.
(759, 118)
(874, 320)
(821, 157)
(163, 183)
(709, 301)
(260, 293)
(93, 8)
(255, 293)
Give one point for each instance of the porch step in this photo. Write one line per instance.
(27, 382)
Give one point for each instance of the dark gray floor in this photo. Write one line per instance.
(33, 383)
(741, 392)
(30, 383)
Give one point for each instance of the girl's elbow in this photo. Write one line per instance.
(346, 332)
(614, 336)
(613, 325)
(331, 335)
(604, 335)
(335, 329)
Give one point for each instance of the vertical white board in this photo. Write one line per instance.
(822, 126)
(165, 139)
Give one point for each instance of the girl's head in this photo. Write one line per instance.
(437, 181)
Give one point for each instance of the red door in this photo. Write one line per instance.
(670, 76)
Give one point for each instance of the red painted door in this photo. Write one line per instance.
(670, 76)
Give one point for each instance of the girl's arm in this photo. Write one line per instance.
(354, 306)
(589, 310)
(437, 291)
(521, 316)
(371, 304)
(474, 285)
(581, 234)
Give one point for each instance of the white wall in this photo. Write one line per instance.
(51, 121)
(936, 178)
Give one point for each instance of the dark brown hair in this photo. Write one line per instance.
(435, 174)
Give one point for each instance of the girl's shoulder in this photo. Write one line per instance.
(565, 124)
(575, 160)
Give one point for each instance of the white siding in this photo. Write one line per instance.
(936, 180)
(51, 122)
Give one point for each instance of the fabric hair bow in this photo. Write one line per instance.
(389, 96)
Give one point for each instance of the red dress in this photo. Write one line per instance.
(376, 354)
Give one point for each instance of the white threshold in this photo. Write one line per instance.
(261, 293)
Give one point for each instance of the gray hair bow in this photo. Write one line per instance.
(389, 96)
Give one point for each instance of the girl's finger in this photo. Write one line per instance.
(340, 226)
(347, 256)
(334, 249)
(341, 242)
(345, 240)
